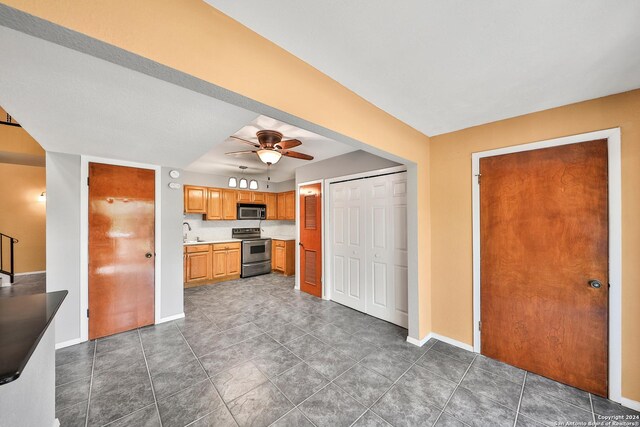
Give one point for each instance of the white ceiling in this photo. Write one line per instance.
(75, 103)
(446, 65)
(217, 162)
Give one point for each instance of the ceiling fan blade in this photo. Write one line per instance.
(237, 153)
(297, 155)
(246, 141)
(285, 145)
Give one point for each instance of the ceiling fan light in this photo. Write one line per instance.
(233, 182)
(269, 156)
(253, 184)
(243, 183)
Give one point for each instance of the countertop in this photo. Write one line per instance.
(209, 242)
(23, 321)
(276, 237)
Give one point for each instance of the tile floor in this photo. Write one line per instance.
(255, 352)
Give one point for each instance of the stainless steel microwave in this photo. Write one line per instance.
(246, 211)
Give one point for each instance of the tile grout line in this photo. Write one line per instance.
(456, 388)
(524, 381)
(93, 364)
(155, 400)
(593, 412)
(208, 378)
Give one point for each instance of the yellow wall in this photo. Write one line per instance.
(193, 37)
(451, 211)
(22, 216)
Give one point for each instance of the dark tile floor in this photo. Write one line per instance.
(255, 352)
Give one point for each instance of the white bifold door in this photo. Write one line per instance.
(368, 246)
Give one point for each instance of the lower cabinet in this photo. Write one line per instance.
(283, 256)
(211, 263)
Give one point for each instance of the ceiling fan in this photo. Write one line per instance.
(270, 147)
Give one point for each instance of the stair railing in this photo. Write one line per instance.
(12, 241)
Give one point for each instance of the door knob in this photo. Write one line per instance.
(148, 255)
(595, 284)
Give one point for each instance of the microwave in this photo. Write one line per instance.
(246, 211)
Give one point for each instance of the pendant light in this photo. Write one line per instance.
(233, 182)
(243, 181)
(253, 184)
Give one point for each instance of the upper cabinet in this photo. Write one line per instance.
(271, 200)
(221, 203)
(195, 199)
(287, 205)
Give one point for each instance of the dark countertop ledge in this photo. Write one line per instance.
(23, 321)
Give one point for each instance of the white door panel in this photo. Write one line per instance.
(369, 233)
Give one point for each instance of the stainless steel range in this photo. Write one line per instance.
(256, 251)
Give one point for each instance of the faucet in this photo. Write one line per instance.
(184, 236)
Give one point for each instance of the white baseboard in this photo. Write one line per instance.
(630, 403)
(68, 343)
(170, 318)
(56, 423)
(30, 272)
(439, 337)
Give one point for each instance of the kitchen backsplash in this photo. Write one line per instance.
(216, 230)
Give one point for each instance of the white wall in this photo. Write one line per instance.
(346, 164)
(63, 239)
(63, 242)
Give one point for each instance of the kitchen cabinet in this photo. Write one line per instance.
(287, 205)
(271, 200)
(210, 263)
(244, 196)
(257, 197)
(229, 202)
(214, 204)
(226, 261)
(195, 199)
(283, 256)
(197, 264)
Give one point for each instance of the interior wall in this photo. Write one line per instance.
(345, 164)
(451, 211)
(23, 215)
(213, 48)
(171, 212)
(63, 235)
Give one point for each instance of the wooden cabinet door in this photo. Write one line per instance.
(257, 197)
(198, 266)
(281, 205)
(244, 196)
(219, 263)
(195, 199)
(214, 204)
(281, 256)
(233, 262)
(229, 202)
(271, 200)
(290, 205)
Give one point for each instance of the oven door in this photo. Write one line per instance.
(256, 250)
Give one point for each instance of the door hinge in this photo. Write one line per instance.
(87, 181)
(480, 325)
(478, 176)
(87, 312)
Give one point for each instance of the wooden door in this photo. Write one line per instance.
(281, 206)
(271, 199)
(214, 204)
(121, 248)
(311, 239)
(290, 205)
(543, 239)
(195, 199)
(233, 262)
(219, 263)
(229, 204)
